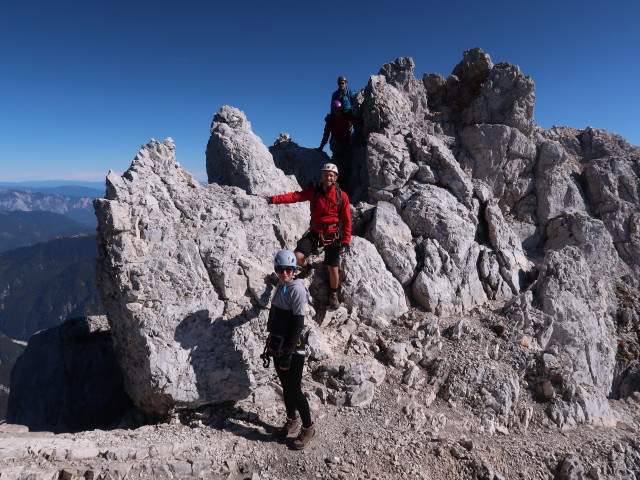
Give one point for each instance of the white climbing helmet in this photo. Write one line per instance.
(330, 167)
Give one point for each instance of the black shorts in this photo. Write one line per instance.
(309, 245)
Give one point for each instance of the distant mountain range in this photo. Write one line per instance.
(69, 188)
(42, 285)
(22, 229)
(78, 209)
(47, 262)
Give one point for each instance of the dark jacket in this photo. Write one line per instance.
(339, 127)
(286, 317)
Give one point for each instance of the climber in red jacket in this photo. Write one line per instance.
(329, 229)
(338, 126)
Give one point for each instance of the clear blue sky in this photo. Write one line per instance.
(84, 84)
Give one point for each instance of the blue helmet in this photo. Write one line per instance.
(285, 258)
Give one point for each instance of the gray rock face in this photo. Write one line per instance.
(392, 238)
(478, 92)
(388, 164)
(503, 159)
(184, 282)
(400, 74)
(369, 286)
(557, 191)
(433, 153)
(236, 156)
(385, 108)
(612, 178)
(303, 163)
(506, 98)
(581, 356)
(465, 203)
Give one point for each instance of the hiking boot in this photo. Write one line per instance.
(304, 271)
(304, 437)
(291, 426)
(334, 303)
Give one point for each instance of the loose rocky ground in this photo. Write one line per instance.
(403, 433)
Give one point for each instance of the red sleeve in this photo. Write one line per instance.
(345, 216)
(293, 197)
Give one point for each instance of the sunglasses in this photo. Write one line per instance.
(284, 269)
(341, 83)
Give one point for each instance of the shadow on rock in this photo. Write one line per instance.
(52, 390)
(216, 356)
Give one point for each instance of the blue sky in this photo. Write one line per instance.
(84, 84)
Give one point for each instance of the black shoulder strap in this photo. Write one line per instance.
(339, 195)
(316, 192)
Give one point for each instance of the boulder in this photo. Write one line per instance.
(367, 284)
(68, 379)
(579, 340)
(388, 164)
(392, 237)
(236, 156)
(385, 108)
(183, 275)
(305, 164)
(400, 74)
(505, 98)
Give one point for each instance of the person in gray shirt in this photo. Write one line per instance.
(285, 343)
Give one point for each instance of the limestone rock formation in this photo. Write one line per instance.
(465, 204)
(184, 273)
(185, 314)
(236, 156)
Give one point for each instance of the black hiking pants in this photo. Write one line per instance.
(342, 158)
(291, 381)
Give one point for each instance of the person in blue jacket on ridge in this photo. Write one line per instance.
(344, 95)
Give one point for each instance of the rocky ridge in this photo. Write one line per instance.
(490, 302)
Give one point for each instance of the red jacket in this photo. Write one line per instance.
(339, 127)
(325, 216)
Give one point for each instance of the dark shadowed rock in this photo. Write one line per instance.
(68, 379)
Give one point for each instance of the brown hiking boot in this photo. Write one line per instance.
(304, 271)
(334, 303)
(304, 437)
(290, 427)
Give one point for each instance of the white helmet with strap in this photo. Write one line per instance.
(330, 167)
